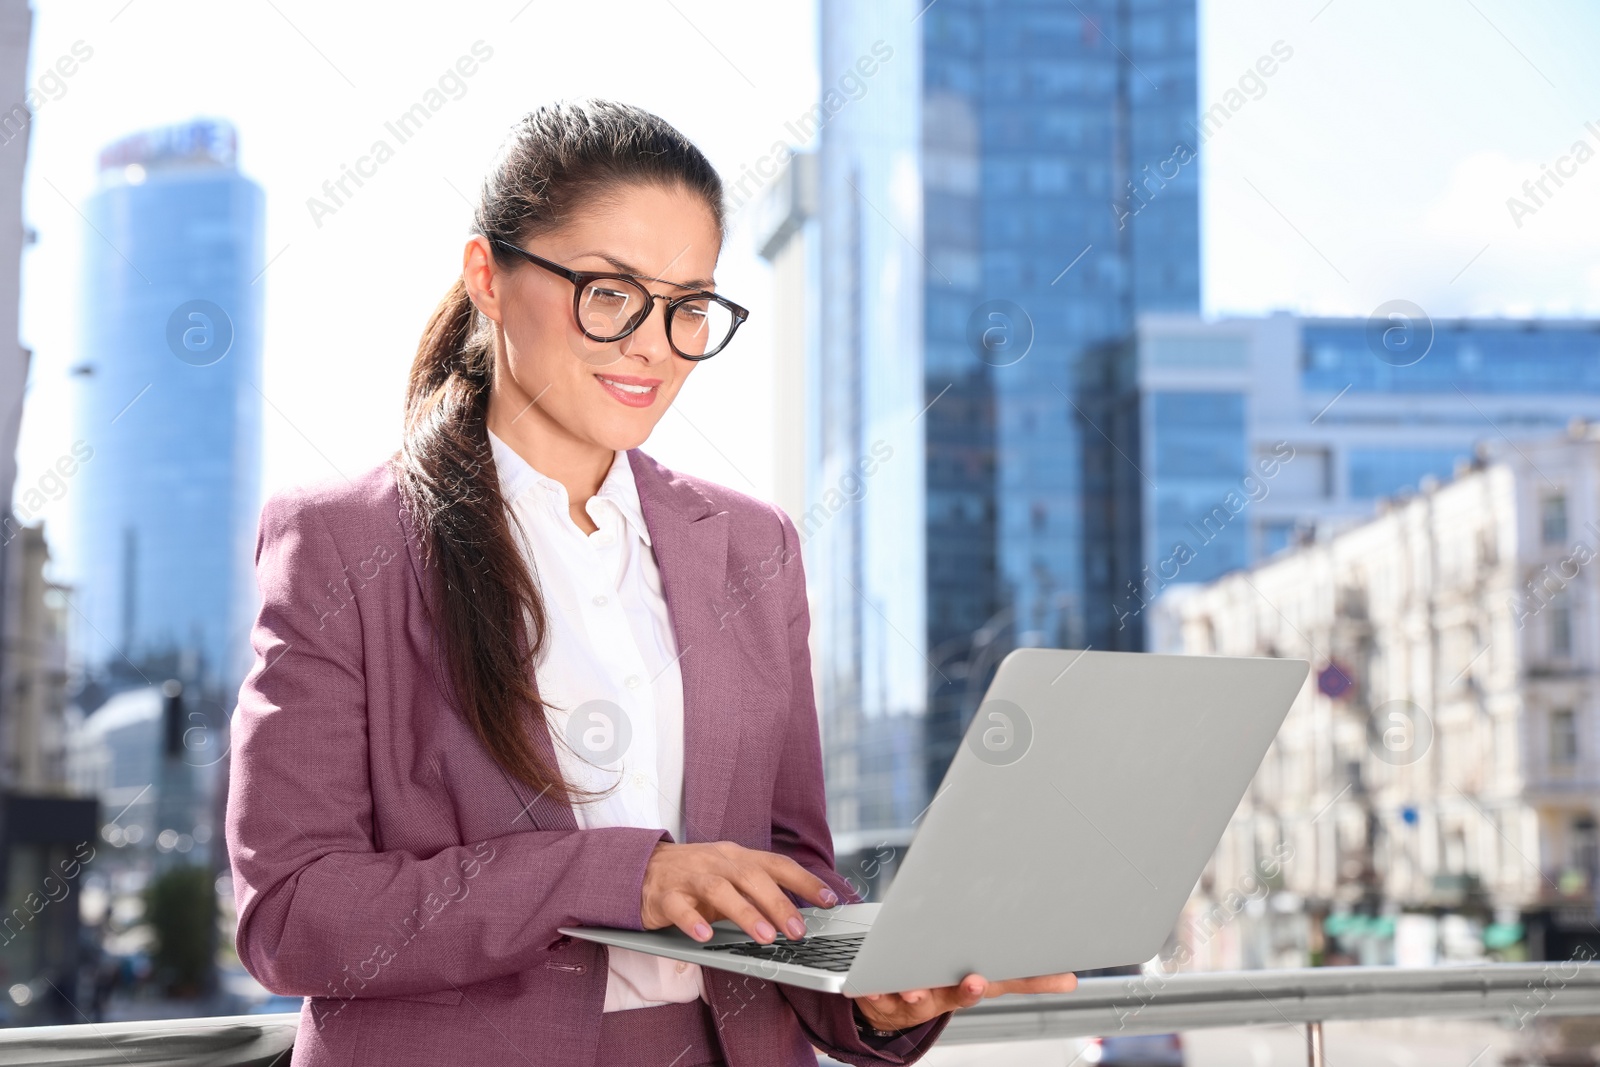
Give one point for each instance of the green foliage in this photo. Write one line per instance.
(181, 907)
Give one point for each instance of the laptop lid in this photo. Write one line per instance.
(1078, 813)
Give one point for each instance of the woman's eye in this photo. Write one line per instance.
(608, 297)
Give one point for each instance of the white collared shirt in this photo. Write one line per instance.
(609, 677)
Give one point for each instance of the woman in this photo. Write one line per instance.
(501, 688)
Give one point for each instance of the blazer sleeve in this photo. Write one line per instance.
(323, 911)
(800, 831)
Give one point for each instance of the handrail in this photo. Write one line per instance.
(223, 1041)
(1141, 1004)
(1157, 1004)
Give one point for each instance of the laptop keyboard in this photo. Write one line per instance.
(824, 953)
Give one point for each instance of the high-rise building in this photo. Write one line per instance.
(25, 704)
(1241, 436)
(1004, 185)
(43, 831)
(16, 30)
(785, 228)
(33, 677)
(170, 376)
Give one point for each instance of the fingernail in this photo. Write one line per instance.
(702, 932)
(797, 928)
(765, 930)
(829, 897)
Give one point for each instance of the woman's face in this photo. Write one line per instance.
(552, 377)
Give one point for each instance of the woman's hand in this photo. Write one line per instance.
(897, 1011)
(692, 886)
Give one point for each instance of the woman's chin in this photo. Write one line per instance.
(622, 434)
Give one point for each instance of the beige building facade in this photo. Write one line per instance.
(1435, 791)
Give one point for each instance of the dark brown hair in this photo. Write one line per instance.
(559, 160)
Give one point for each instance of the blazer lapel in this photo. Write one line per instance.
(690, 538)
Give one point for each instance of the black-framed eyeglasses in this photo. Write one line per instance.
(609, 306)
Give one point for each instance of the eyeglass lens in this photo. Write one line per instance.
(608, 306)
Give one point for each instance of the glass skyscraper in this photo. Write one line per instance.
(999, 199)
(166, 508)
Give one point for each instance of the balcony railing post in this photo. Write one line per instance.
(1314, 1044)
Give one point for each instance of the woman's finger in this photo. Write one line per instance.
(790, 875)
(969, 991)
(759, 888)
(1046, 983)
(681, 912)
(727, 899)
(894, 1011)
(742, 868)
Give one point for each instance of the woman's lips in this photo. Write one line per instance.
(634, 392)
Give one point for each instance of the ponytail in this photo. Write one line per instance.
(449, 485)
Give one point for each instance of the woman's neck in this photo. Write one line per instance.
(580, 466)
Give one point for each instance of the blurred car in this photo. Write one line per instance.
(1135, 1050)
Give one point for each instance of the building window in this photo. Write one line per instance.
(1276, 536)
(1380, 472)
(1563, 737)
(1553, 519)
(1586, 847)
(1322, 357)
(1560, 628)
(1306, 475)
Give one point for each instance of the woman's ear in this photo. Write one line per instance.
(479, 275)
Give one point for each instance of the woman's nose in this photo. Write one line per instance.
(650, 339)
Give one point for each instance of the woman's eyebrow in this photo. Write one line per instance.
(625, 268)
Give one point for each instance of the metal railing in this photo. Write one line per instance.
(1157, 1004)
(226, 1041)
(1144, 1004)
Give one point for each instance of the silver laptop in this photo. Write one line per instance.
(1078, 813)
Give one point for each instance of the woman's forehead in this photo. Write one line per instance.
(648, 227)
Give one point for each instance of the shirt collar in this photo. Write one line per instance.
(517, 476)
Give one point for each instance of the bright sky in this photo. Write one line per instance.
(1375, 165)
(1378, 162)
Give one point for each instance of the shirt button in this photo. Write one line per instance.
(600, 601)
(682, 967)
(639, 780)
(604, 539)
(632, 681)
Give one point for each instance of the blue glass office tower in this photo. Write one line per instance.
(864, 537)
(1010, 190)
(170, 378)
(1246, 435)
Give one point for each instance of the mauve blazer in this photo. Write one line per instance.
(388, 870)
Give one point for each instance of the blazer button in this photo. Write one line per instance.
(570, 968)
